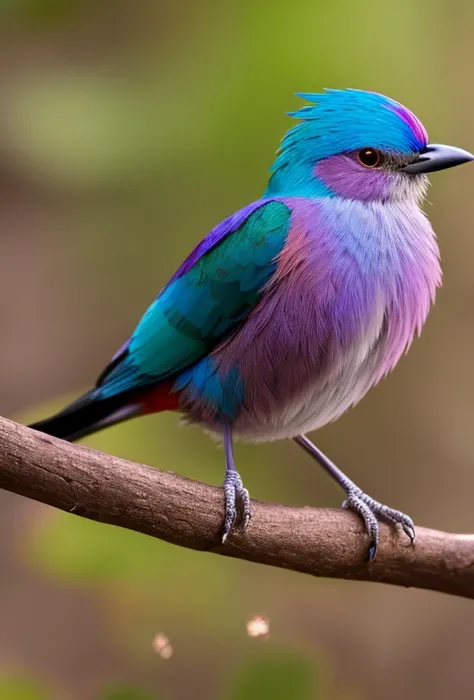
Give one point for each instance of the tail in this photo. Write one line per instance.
(87, 415)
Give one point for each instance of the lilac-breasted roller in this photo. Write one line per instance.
(291, 309)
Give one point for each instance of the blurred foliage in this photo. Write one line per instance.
(43, 13)
(122, 693)
(19, 688)
(279, 677)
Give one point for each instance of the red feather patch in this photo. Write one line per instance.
(160, 398)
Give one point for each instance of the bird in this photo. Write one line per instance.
(292, 308)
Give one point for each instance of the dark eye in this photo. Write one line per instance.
(369, 157)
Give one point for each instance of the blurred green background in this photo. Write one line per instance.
(127, 130)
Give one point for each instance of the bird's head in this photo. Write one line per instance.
(357, 145)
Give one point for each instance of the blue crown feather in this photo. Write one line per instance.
(338, 121)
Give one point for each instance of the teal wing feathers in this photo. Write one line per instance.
(196, 310)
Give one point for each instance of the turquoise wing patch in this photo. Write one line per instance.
(195, 311)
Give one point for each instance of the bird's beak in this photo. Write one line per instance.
(437, 157)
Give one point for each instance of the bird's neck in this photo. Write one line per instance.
(382, 237)
(377, 244)
(296, 179)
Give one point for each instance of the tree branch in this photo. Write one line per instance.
(320, 542)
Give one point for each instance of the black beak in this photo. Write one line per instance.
(437, 157)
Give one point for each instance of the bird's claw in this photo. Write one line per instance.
(370, 511)
(236, 499)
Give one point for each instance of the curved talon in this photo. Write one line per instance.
(230, 511)
(357, 504)
(372, 552)
(409, 530)
(370, 510)
(247, 514)
(236, 496)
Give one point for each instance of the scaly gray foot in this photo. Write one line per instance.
(236, 499)
(370, 511)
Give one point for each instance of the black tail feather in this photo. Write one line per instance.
(87, 415)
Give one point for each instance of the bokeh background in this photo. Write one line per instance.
(127, 130)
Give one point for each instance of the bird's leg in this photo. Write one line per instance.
(235, 493)
(366, 507)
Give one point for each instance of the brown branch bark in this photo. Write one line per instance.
(320, 542)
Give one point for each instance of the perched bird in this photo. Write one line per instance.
(291, 309)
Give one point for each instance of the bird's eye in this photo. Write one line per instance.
(369, 157)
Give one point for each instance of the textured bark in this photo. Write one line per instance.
(321, 542)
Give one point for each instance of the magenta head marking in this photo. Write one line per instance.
(411, 120)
